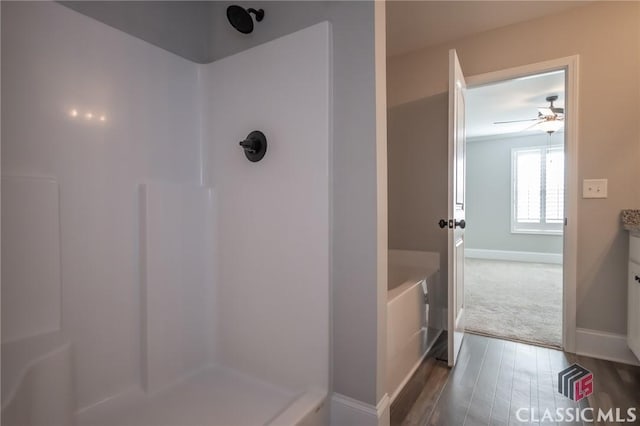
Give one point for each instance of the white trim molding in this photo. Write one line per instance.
(514, 256)
(383, 410)
(604, 345)
(570, 65)
(346, 411)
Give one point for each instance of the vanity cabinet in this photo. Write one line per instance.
(633, 309)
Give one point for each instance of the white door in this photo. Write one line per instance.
(633, 310)
(456, 223)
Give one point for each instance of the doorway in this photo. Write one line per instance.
(516, 192)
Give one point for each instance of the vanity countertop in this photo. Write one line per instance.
(631, 220)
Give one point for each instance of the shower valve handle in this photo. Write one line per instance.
(254, 146)
(250, 145)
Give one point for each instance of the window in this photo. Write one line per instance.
(537, 179)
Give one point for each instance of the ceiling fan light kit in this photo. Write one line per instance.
(550, 126)
(550, 119)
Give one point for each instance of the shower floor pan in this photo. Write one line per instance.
(216, 396)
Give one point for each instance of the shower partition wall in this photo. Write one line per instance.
(171, 281)
(272, 216)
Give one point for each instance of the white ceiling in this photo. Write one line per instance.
(413, 25)
(517, 99)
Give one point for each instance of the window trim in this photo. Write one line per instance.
(536, 228)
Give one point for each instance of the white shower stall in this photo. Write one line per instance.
(151, 274)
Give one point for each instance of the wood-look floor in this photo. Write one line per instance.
(493, 378)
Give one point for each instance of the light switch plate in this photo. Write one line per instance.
(594, 188)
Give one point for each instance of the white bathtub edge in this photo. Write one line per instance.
(404, 381)
(397, 292)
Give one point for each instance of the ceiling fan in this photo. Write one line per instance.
(549, 119)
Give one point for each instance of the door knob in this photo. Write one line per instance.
(452, 223)
(638, 278)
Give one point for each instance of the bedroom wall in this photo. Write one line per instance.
(489, 190)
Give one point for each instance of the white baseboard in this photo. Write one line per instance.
(603, 345)
(514, 256)
(383, 410)
(347, 411)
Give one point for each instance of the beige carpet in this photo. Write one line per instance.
(514, 300)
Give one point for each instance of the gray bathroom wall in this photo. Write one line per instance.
(354, 203)
(181, 27)
(489, 197)
(280, 18)
(199, 30)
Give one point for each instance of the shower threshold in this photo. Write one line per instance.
(217, 396)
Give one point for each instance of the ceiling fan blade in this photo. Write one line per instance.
(515, 121)
(534, 124)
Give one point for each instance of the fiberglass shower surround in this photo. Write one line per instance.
(174, 277)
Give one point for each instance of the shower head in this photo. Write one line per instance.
(241, 19)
